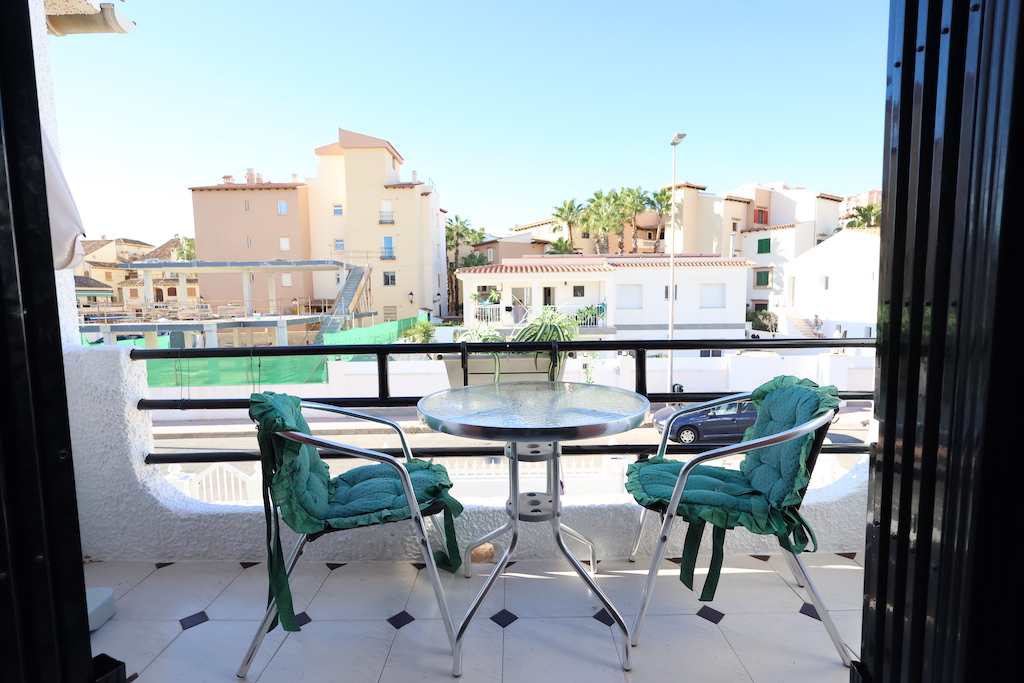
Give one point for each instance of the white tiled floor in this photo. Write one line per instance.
(761, 637)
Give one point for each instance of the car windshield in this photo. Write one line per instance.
(727, 409)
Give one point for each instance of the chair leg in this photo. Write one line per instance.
(793, 568)
(819, 607)
(572, 533)
(264, 627)
(652, 575)
(435, 579)
(636, 534)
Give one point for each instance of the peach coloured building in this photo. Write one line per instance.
(357, 210)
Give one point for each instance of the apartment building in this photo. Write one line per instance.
(356, 210)
(101, 267)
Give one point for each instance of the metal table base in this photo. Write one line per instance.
(535, 506)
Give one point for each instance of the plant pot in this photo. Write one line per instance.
(517, 367)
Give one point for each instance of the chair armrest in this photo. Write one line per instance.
(363, 416)
(719, 453)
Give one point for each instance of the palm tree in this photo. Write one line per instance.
(661, 202)
(569, 213)
(595, 219)
(474, 259)
(866, 216)
(186, 251)
(560, 246)
(632, 202)
(457, 232)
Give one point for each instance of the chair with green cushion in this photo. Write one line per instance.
(297, 482)
(763, 496)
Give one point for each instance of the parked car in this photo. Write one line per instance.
(723, 423)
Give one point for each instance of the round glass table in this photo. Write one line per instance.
(533, 418)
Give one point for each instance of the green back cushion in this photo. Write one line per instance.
(779, 472)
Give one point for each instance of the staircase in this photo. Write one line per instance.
(798, 323)
(340, 310)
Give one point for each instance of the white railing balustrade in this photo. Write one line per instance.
(221, 482)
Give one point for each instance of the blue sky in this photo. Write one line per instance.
(509, 108)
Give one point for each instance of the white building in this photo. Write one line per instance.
(838, 281)
(614, 296)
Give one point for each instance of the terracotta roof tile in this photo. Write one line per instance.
(404, 185)
(561, 268)
(875, 230)
(730, 198)
(830, 197)
(250, 186)
(661, 263)
(781, 226)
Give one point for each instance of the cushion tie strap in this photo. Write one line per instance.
(450, 559)
(688, 561)
(279, 590)
(690, 547)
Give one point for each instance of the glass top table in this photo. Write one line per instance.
(533, 418)
(524, 411)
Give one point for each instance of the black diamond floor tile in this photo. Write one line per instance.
(712, 615)
(763, 558)
(161, 565)
(193, 620)
(849, 556)
(503, 618)
(302, 618)
(334, 565)
(809, 610)
(401, 619)
(246, 565)
(419, 565)
(677, 560)
(604, 617)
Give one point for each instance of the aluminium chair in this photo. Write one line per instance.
(763, 496)
(296, 482)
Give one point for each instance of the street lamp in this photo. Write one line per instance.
(410, 297)
(676, 139)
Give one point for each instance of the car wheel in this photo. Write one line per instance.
(687, 435)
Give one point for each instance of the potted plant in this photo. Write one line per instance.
(549, 325)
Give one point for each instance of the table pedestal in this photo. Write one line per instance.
(534, 506)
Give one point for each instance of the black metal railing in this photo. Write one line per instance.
(639, 350)
(387, 217)
(387, 254)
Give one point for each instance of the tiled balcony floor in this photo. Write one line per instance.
(756, 631)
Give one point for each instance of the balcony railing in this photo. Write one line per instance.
(387, 217)
(638, 350)
(387, 254)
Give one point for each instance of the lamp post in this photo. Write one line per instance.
(676, 139)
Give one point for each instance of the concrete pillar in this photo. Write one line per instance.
(151, 340)
(182, 293)
(147, 286)
(611, 303)
(108, 336)
(247, 294)
(236, 334)
(281, 333)
(272, 291)
(211, 335)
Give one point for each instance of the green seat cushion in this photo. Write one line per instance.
(373, 494)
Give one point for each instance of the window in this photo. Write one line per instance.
(650, 235)
(133, 293)
(337, 210)
(711, 353)
(764, 246)
(387, 248)
(585, 235)
(247, 205)
(337, 278)
(339, 245)
(248, 241)
(825, 284)
(389, 278)
(629, 296)
(286, 279)
(869, 332)
(577, 290)
(735, 226)
(190, 292)
(760, 304)
(109, 276)
(282, 208)
(252, 277)
(286, 244)
(490, 254)
(387, 215)
(761, 216)
(390, 313)
(712, 295)
(172, 291)
(675, 293)
(763, 277)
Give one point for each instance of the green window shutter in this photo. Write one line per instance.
(761, 278)
(764, 246)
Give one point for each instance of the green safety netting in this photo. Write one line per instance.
(186, 372)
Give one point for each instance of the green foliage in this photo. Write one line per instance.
(632, 201)
(865, 216)
(560, 246)
(569, 214)
(549, 325)
(422, 332)
(187, 250)
(457, 232)
(765, 321)
(474, 259)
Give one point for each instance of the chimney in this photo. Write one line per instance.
(414, 176)
(259, 178)
(295, 177)
(229, 179)
(250, 176)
